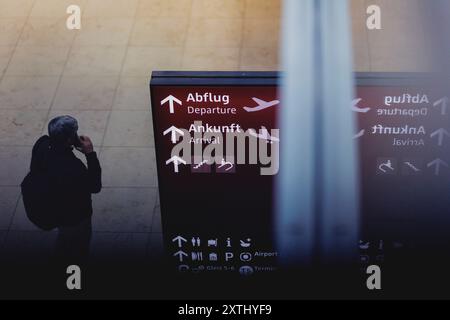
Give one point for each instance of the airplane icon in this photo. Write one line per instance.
(261, 105)
(263, 135)
(359, 134)
(355, 107)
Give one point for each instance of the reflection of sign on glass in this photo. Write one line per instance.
(440, 134)
(442, 104)
(359, 134)
(364, 259)
(411, 167)
(437, 165)
(358, 109)
(386, 166)
(364, 245)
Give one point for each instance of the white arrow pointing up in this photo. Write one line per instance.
(437, 165)
(171, 99)
(180, 254)
(174, 130)
(443, 104)
(180, 240)
(176, 161)
(440, 133)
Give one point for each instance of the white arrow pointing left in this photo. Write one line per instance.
(174, 130)
(176, 161)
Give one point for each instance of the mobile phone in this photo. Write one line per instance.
(77, 142)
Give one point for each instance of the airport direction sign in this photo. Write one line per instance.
(226, 214)
(223, 209)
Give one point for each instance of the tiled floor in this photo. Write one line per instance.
(100, 75)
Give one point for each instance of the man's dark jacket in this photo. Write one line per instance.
(73, 182)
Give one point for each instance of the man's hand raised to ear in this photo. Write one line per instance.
(86, 145)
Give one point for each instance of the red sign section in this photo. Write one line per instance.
(216, 198)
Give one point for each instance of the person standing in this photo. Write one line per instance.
(72, 185)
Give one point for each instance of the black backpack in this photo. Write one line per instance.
(38, 193)
(38, 198)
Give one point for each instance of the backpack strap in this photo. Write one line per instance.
(40, 154)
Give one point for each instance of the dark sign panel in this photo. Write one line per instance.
(217, 215)
(404, 144)
(216, 212)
